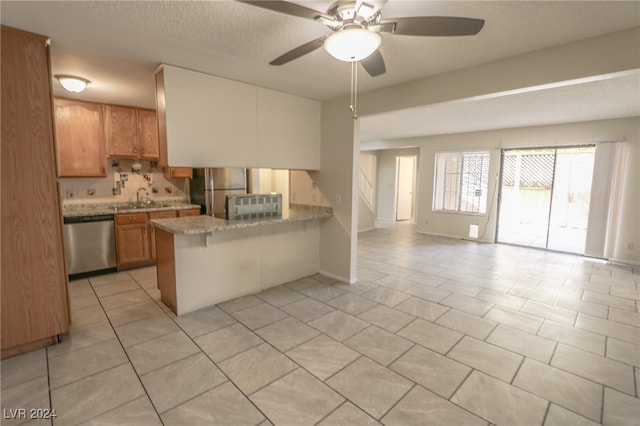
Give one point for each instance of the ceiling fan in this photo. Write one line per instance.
(356, 27)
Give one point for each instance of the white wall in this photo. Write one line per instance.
(587, 58)
(601, 55)
(387, 176)
(304, 190)
(337, 180)
(366, 214)
(457, 225)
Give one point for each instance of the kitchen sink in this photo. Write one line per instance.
(141, 205)
(146, 205)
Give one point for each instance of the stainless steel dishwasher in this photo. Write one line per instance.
(90, 245)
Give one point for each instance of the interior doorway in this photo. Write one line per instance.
(405, 187)
(545, 196)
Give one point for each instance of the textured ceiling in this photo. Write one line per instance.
(118, 44)
(611, 97)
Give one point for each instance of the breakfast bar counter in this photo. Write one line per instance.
(208, 224)
(203, 260)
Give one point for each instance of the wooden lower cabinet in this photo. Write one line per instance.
(167, 270)
(136, 237)
(132, 240)
(152, 229)
(188, 212)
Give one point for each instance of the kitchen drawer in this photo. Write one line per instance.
(161, 215)
(128, 218)
(188, 212)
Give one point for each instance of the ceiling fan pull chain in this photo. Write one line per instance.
(351, 106)
(354, 89)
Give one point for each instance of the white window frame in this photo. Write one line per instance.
(455, 190)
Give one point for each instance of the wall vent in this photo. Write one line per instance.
(473, 232)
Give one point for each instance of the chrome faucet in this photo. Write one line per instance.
(138, 194)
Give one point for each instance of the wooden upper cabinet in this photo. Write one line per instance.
(80, 146)
(178, 172)
(131, 132)
(121, 131)
(163, 158)
(148, 134)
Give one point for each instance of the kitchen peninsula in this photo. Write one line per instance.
(203, 260)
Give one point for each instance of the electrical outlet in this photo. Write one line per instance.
(338, 199)
(631, 246)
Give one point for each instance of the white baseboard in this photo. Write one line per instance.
(624, 261)
(457, 237)
(365, 230)
(335, 277)
(454, 237)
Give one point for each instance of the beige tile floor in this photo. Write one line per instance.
(436, 332)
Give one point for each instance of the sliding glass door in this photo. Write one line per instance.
(525, 196)
(544, 197)
(571, 196)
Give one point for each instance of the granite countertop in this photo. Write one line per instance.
(193, 225)
(99, 209)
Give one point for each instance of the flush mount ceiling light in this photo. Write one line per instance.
(352, 43)
(72, 84)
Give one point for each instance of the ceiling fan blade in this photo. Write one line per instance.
(374, 64)
(299, 51)
(288, 8)
(444, 26)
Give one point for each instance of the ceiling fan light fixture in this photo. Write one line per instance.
(352, 44)
(366, 11)
(72, 84)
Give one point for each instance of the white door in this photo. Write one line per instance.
(405, 167)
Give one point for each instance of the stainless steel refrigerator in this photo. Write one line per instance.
(210, 186)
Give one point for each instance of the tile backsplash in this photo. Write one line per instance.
(101, 190)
